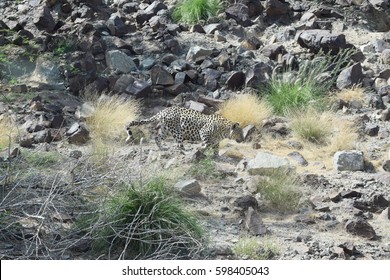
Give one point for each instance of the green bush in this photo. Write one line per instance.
(145, 221)
(280, 188)
(308, 86)
(192, 11)
(254, 248)
(42, 159)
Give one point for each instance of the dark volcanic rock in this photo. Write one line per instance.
(236, 80)
(240, 13)
(258, 75)
(317, 39)
(361, 228)
(161, 76)
(44, 20)
(274, 8)
(350, 76)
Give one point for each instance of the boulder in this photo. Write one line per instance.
(386, 165)
(47, 71)
(348, 161)
(160, 76)
(318, 39)
(255, 8)
(264, 162)
(116, 25)
(361, 228)
(350, 76)
(139, 89)
(197, 52)
(44, 20)
(276, 8)
(119, 62)
(236, 80)
(371, 129)
(240, 13)
(258, 74)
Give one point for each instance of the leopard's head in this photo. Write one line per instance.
(236, 133)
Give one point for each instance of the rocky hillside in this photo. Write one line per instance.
(60, 58)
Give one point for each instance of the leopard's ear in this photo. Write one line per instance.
(236, 125)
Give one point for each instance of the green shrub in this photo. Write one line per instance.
(285, 96)
(192, 11)
(255, 248)
(64, 46)
(280, 188)
(42, 159)
(308, 86)
(205, 168)
(145, 222)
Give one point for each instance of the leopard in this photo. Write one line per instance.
(191, 125)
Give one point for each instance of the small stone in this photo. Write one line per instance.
(188, 187)
(350, 194)
(161, 76)
(386, 165)
(248, 130)
(371, 129)
(295, 144)
(75, 154)
(385, 214)
(298, 158)
(385, 115)
(254, 223)
(77, 134)
(26, 141)
(246, 202)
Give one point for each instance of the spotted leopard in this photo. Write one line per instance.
(187, 124)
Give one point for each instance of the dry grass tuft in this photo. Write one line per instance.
(340, 135)
(110, 117)
(107, 123)
(7, 132)
(246, 109)
(355, 93)
(312, 126)
(343, 136)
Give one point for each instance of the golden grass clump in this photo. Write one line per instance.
(355, 93)
(111, 114)
(321, 134)
(7, 132)
(312, 126)
(246, 109)
(343, 137)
